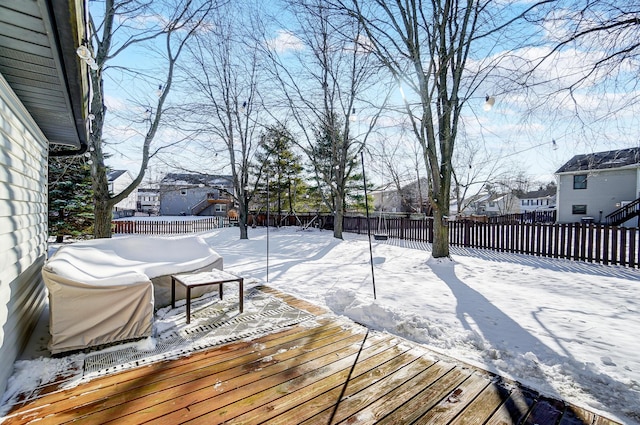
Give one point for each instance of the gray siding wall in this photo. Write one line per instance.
(605, 189)
(180, 201)
(23, 227)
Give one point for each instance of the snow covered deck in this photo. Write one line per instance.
(322, 371)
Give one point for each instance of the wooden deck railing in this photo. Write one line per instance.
(624, 213)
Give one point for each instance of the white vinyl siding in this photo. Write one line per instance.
(23, 227)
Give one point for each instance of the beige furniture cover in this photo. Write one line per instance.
(104, 290)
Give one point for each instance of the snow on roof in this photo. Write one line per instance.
(187, 179)
(602, 160)
(114, 174)
(541, 193)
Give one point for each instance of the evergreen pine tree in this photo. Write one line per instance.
(277, 162)
(328, 156)
(70, 197)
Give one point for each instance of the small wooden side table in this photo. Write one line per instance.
(192, 280)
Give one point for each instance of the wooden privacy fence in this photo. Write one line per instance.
(161, 227)
(526, 217)
(575, 241)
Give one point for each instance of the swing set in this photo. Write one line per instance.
(381, 233)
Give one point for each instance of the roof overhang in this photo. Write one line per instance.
(38, 42)
(599, 170)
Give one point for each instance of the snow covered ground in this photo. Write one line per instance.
(566, 329)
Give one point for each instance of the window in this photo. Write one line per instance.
(580, 181)
(220, 208)
(579, 209)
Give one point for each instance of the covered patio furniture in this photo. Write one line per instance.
(104, 290)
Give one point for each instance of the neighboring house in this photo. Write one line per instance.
(196, 194)
(501, 204)
(411, 198)
(473, 205)
(119, 180)
(487, 204)
(148, 200)
(386, 200)
(43, 105)
(593, 186)
(538, 200)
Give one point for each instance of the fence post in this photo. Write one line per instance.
(614, 244)
(632, 246)
(467, 233)
(623, 246)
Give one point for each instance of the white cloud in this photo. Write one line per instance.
(114, 104)
(362, 44)
(285, 41)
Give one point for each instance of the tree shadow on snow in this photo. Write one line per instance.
(508, 343)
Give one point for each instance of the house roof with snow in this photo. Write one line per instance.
(540, 193)
(188, 179)
(477, 198)
(114, 174)
(602, 160)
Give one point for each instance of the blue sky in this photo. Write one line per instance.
(518, 133)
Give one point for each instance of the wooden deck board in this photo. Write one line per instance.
(292, 401)
(373, 368)
(193, 397)
(133, 383)
(515, 408)
(330, 368)
(384, 396)
(352, 403)
(453, 403)
(328, 373)
(480, 409)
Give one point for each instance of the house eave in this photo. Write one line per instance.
(598, 170)
(39, 62)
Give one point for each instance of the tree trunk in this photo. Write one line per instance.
(103, 216)
(338, 216)
(337, 223)
(440, 246)
(102, 202)
(242, 221)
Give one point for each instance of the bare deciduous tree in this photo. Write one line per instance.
(426, 46)
(123, 25)
(608, 29)
(322, 86)
(473, 167)
(224, 73)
